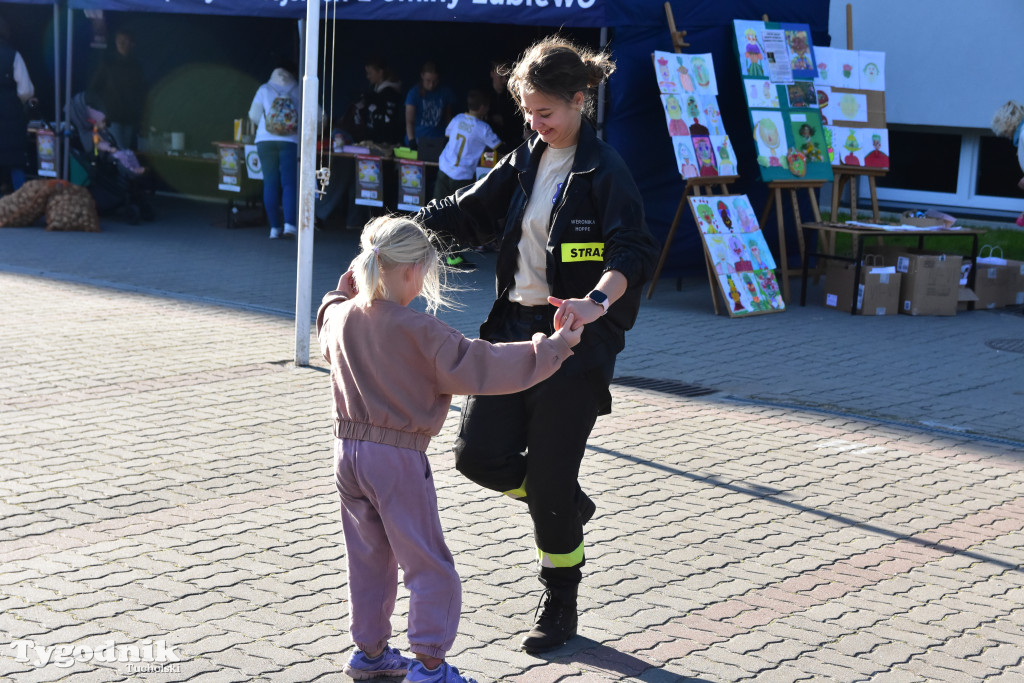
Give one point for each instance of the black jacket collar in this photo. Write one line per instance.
(587, 151)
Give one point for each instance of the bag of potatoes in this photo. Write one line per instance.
(71, 207)
(24, 206)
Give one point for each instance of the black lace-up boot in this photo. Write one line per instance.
(556, 622)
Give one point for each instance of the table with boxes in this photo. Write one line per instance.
(884, 279)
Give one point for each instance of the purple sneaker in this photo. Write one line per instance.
(390, 662)
(446, 673)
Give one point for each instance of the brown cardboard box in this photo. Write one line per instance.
(878, 292)
(999, 282)
(931, 283)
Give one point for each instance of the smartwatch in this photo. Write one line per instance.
(599, 298)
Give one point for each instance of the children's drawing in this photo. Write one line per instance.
(739, 255)
(801, 95)
(850, 106)
(725, 216)
(760, 254)
(808, 135)
(801, 55)
(674, 115)
(878, 157)
(797, 162)
(726, 154)
(719, 254)
(683, 76)
(770, 288)
(705, 215)
(829, 131)
(739, 307)
(694, 113)
(704, 74)
(758, 301)
(705, 151)
(745, 213)
(872, 70)
(852, 146)
(751, 49)
(711, 115)
(683, 149)
(846, 70)
(825, 56)
(823, 93)
(761, 94)
(663, 70)
(768, 129)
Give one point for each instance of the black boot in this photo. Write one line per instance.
(556, 623)
(586, 507)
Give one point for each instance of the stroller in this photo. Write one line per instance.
(114, 177)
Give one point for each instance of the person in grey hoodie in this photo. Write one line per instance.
(275, 112)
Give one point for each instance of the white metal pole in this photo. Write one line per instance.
(69, 27)
(56, 87)
(307, 185)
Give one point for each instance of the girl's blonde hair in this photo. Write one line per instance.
(389, 241)
(558, 68)
(1007, 118)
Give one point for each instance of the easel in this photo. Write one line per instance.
(775, 188)
(845, 174)
(694, 186)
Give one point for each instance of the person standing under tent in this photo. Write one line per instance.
(275, 111)
(573, 236)
(428, 107)
(16, 90)
(120, 84)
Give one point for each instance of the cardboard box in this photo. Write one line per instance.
(878, 292)
(930, 219)
(931, 283)
(999, 282)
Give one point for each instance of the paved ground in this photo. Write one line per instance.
(848, 504)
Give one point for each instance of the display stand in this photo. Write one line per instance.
(694, 186)
(775, 188)
(845, 174)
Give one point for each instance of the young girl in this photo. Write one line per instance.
(393, 371)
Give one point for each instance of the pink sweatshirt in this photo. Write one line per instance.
(394, 370)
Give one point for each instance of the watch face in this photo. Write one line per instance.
(598, 297)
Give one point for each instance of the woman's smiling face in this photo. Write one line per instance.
(557, 120)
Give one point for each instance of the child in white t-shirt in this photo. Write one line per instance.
(468, 136)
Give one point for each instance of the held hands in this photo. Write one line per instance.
(565, 331)
(347, 284)
(584, 311)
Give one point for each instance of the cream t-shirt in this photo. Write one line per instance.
(531, 283)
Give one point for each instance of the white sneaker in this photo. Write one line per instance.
(275, 233)
(290, 230)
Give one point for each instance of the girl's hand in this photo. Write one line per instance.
(347, 284)
(568, 333)
(584, 311)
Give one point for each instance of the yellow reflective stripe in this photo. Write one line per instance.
(582, 251)
(560, 560)
(517, 493)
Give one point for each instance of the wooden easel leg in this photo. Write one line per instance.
(668, 245)
(874, 199)
(837, 193)
(854, 191)
(799, 226)
(712, 279)
(783, 259)
(767, 209)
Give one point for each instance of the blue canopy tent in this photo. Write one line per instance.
(633, 121)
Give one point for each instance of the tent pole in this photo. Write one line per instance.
(307, 185)
(56, 84)
(67, 97)
(601, 89)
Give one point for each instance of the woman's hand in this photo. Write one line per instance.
(582, 312)
(570, 334)
(347, 284)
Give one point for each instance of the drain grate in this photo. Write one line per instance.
(1011, 345)
(664, 386)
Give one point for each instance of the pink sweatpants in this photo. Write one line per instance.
(389, 515)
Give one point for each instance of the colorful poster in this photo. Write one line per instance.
(850, 107)
(229, 176)
(801, 53)
(801, 95)
(369, 181)
(808, 135)
(677, 125)
(412, 184)
(769, 134)
(683, 149)
(725, 154)
(750, 47)
(703, 73)
(252, 163)
(861, 146)
(46, 154)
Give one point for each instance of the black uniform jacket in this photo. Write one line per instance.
(597, 225)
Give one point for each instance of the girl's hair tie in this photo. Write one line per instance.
(376, 250)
